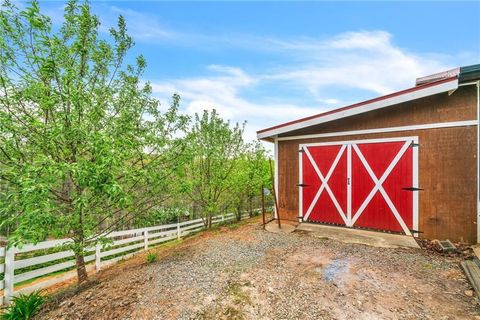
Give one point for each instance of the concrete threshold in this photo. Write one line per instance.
(349, 235)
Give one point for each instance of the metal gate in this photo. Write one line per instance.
(365, 183)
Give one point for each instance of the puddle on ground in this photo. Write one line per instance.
(336, 271)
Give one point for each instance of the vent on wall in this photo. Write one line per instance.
(446, 246)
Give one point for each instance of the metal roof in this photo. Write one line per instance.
(438, 76)
(469, 73)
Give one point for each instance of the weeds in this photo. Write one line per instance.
(238, 295)
(233, 313)
(24, 306)
(233, 226)
(428, 266)
(151, 257)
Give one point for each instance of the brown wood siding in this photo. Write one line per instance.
(459, 106)
(447, 163)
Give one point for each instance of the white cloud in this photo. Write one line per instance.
(141, 26)
(320, 73)
(306, 75)
(330, 101)
(222, 91)
(329, 71)
(366, 60)
(371, 40)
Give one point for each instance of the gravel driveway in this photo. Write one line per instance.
(246, 273)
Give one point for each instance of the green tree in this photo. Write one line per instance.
(246, 181)
(213, 146)
(83, 146)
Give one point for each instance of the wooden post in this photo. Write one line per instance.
(263, 207)
(178, 231)
(98, 257)
(145, 239)
(9, 274)
(274, 192)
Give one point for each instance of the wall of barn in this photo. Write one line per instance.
(447, 160)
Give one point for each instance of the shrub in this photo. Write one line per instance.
(151, 257)
(24, 306)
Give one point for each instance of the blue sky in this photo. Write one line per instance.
(271, 62)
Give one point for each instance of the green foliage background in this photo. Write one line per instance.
(84, 148)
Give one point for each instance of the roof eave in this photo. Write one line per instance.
(362, 107)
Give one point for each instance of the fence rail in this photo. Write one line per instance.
(32, 266)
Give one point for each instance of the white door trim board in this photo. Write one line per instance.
(276, 176)
(415, 185)
(478, 161)
(349, 183)
(300, 182)
(384, 130)
(333, 143)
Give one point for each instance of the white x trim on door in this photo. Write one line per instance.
(350, 219)
(379, 187)
(324, 185)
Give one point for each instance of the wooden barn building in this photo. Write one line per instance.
(406, 162)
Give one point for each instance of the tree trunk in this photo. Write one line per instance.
(239, 213)
(209, 220)
(79, 256)
(81, 269)
(251, 207)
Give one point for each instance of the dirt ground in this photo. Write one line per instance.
(246, 273)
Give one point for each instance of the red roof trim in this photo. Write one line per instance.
(391, 95)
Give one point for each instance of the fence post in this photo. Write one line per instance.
(98, 258)
(223, 218)
(145, 239)
(9, 274)
(178, 230)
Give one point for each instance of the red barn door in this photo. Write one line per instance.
(368, 184)
(325, 184)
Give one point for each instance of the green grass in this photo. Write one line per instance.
(233, 226)
(429, 266)
(24, 306)
(238, 295)
(46, 264)
(44, 276)
(151, 257)
(233, 313)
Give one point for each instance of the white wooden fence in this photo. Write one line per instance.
(123, 245)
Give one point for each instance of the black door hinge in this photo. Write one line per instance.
(416, 231)
(413, 144)
(412, 189)
(302, 185)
